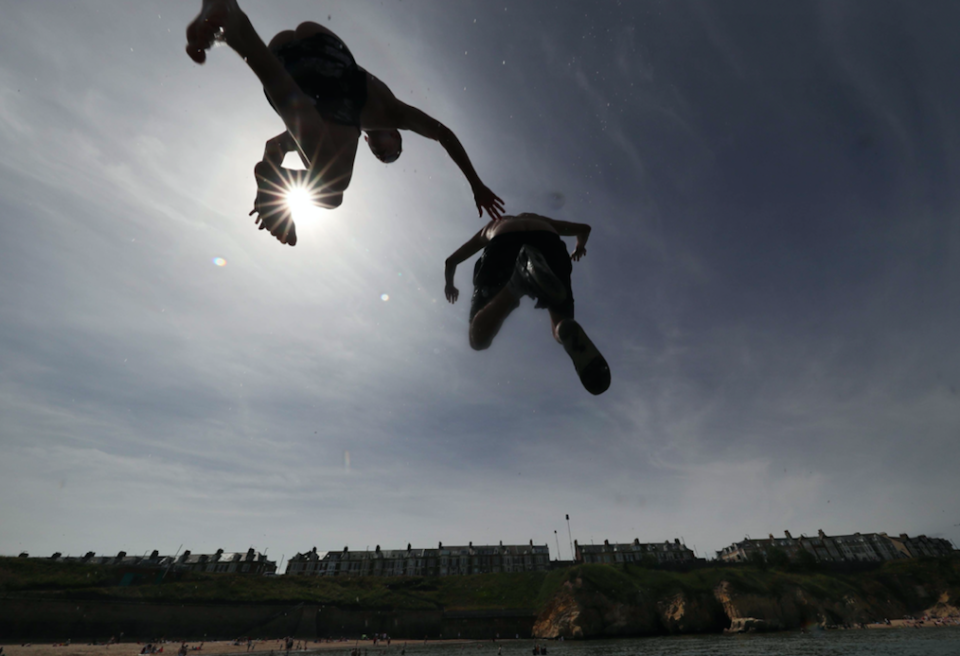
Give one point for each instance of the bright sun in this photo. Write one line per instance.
(301, 207)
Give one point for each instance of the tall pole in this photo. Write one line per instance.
(558, 543)
(570, 535)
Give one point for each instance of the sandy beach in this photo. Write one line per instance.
(367, 647)
(920, 623)
(230, 647)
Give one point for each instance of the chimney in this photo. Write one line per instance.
(903, 536)
(501, 543)
(121, 555)
(676, 540)
(636, 542)
(439, 545)
(219, 552)
(531, 543)
(88, 555)
(770, 535)
(606, 543)
(377, 549)
(23, 554)
(787, 533)
(186, 554)
(408, 546)
(344, 550)
(251, 552)
(154, 554)
(821, 534)
(470, 545)
(56, 555)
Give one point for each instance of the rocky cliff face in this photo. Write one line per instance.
(794, 608)
(943, 607)
(682, 613)
(581, 609)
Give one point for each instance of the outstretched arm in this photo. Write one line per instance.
(466, 251)
(568, 229)
(411, 118)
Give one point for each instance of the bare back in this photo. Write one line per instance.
(519, 223)
(339, 141)
(303, 31)
(380, 100)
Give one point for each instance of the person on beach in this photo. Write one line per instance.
(524, 255)
(326, 101)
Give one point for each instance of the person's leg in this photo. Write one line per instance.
(487, 322)
(592, 368)
(519, 271)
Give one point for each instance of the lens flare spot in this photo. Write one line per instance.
(219, 261)
(384, 297)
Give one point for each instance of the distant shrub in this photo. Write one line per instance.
(777, 558)
(805, 562)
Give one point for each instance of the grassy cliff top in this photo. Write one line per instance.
(529, 590)
(902, 579)
(47, 579)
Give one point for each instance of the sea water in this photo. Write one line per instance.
(867, 642)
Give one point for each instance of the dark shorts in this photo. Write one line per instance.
(324, 69)
(495, 266)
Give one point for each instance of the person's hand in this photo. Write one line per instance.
(487, 200)
(452, 293)
(578, 252)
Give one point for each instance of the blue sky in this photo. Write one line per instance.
(772, 275)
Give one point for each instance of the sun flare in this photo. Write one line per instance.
(301, 206)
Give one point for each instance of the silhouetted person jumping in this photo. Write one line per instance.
(325, 101)
(524, 256)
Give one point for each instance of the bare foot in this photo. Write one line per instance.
(271, 204)
(591, 366)
(217, 20)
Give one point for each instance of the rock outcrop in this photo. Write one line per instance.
(943, 607)
(582, 609)
(684, 612)
(793, 608)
